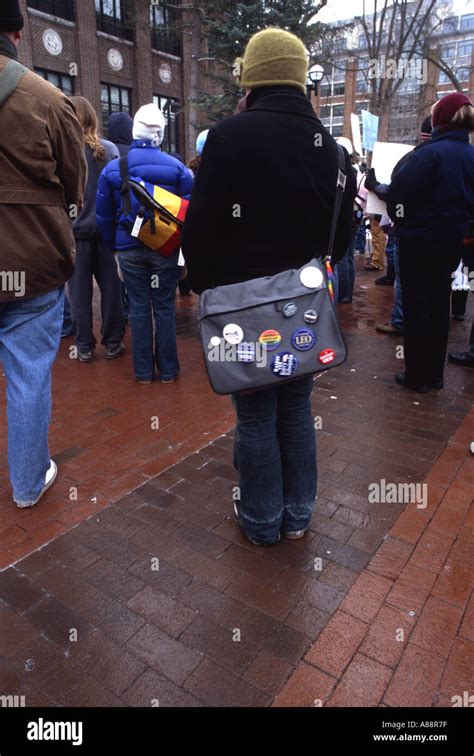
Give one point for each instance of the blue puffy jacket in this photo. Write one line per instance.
(432, 195)
(148, 163)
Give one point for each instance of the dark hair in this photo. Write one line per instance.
(194, 163)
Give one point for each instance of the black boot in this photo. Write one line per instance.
(389, 278)
(403, 381)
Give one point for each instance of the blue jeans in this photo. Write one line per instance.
(151, 281)
(125, 301)
(275, 454)
(30, 332)
(361, 238)
(346, 270)
(390, 249)
(397, 311)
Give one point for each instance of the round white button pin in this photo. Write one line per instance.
(311, 277)
(232, 333)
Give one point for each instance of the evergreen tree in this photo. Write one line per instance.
(227, 28)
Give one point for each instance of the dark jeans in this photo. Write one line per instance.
(426, 268)
(346, 270)
(389, 250)
(68, 325)
(151, 281)
(471, 341)
(361, 238)
(397, 310)
(125, 301)
(94, 259)
(275, 453)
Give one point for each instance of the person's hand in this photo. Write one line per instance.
(370, 180)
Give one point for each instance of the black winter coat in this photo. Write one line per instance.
(263, 198)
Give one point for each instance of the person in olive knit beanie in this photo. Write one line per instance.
(277, 162)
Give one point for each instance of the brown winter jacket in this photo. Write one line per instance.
(42, 178)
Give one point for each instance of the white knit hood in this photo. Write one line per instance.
(149, 123)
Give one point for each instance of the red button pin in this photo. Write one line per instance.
(327, 355)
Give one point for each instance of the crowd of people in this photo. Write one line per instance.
(62, 190)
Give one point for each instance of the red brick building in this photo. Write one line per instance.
(120, 54)
(345, 86)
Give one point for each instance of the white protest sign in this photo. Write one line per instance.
(356, 137)
(384, 159)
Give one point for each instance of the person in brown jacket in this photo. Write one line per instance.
(42, 178)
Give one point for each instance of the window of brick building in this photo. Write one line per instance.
(462, 74)
(467, 22)
(60, 8)
(164, 34)
(112, 18)
(450, 25)
(60, 80)
(170, 108)
(465, 48)
(449, 51)
(114, 99)
(360, 106)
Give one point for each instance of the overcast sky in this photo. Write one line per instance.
(339, 9)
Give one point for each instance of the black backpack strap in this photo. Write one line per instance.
(124, 188)
(10, 78)
(341, 183)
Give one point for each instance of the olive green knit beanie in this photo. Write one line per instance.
(273, 56)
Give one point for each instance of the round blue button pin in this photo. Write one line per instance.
(284, 364)
(303, 339)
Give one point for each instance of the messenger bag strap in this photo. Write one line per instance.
(124, 190)
(10, 78)
(341, 183)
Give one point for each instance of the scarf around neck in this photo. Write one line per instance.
(8, 48)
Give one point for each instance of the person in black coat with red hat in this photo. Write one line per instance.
(430, 200)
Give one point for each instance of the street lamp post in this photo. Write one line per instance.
(315, 74)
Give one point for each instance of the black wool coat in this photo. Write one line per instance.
(263, 198)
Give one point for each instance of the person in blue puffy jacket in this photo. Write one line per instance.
(431, 200)
(149, 277)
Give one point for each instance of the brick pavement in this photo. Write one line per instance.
(169, 600)
(102, 436)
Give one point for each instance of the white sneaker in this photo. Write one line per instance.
(50, 477)
(294, 535)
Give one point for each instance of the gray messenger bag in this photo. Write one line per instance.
(266, 331)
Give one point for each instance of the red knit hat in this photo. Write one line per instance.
(447, 107)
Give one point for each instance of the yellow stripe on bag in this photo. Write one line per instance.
(171, 201)
(165, 229)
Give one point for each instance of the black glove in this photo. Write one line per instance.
(370, 180)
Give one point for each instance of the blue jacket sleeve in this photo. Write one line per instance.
(105, 209)
(381, 190)
(185, 184)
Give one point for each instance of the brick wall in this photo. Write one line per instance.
(146, 72)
